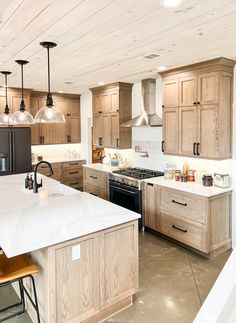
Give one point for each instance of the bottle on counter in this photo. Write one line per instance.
(177, 175)
(191, 175)
(27, 181)
(185, 169)
(30, 183)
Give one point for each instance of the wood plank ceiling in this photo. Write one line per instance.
(106, 40)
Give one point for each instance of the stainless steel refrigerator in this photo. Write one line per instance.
(15, 150)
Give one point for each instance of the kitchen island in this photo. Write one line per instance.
(87, 249)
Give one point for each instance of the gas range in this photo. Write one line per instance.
(133, 176)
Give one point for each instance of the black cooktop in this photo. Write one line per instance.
(138, 173)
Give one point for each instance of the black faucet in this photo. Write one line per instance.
(36, 185)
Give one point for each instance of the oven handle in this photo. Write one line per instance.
(123, 190)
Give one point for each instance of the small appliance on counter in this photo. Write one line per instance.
(221, 180)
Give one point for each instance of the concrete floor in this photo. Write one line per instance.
(173, 284)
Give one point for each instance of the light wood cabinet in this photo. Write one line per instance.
(111, 108)
(151, 206)
(68, 173)
(198, 222)
(204, 107)
(170, 130)
(95, 182)
(96, 285)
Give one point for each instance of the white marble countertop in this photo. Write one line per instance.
(189, 187)
(102, 167)
(57, 213)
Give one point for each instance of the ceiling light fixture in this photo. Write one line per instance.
(101, 83)
(6, 118)
(170, 3)
(48, 113)
(162, 68)
(21, 116)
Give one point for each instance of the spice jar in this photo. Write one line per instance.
(184, 178)
(191, 176)
(177, 175)
(207, 180)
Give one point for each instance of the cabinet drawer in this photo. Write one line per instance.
(76, 183)
(95, 190)
(186, 205)
(72, 173)
(73, 164)
(183, 231)
(95, 178)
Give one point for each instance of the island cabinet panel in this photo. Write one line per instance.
(199, 222)
(87, 279)
(204, 97)
(119, 259)
(111, 108)
(77, 281)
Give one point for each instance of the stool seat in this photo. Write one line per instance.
(16, 267)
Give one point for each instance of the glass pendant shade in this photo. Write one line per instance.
(6, 118)
(48, 113)
(22, 116)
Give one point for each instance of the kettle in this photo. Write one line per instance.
(3, 162)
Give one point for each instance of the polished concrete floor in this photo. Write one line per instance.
(173, 284)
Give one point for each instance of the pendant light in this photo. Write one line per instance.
(6, 118)
(21, 116)
(48, 113)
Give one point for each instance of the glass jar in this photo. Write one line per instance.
(168, 173)
(177, 175)
(184, 178)
(207, 180)
(191, 175)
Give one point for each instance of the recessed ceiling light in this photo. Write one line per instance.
(161, 68)
(170, 3)
(68, 82)
(101, 83)
(151, 56)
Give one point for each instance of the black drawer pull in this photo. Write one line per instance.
(94, 177)
(76, 172)
(184, 204)
(174, 227)
(162, 146)
(93, 194)
(150, 184)
(76, 183)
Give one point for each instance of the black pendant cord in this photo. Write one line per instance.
(49, 100)
(6, 107)
(22, 104)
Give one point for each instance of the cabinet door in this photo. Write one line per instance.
(47, 133)
(170, 130)
(115, 130)
(187, 130)
(97, 130)
(74, 129)
(208, 88)
(73, 107)
(96, 104)
(62, 132)
(106, 129)
(35, 105)
(208, 132)
(105, 102)
(187, 91)
(119, 264)
(115, 102)
(62, 105)
(170, 94)
(151, 202)
(77, 280)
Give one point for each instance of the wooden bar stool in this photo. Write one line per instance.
(15, 269)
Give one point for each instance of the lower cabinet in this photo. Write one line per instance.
(68, 173)
(199, 222)
(95, 182)
(93, 285)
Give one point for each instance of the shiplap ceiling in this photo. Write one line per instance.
(106, 40)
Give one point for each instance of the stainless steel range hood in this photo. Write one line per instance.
(148, 118)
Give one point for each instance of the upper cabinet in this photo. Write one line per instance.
(68, 132)
(112, 105)
(197, 109)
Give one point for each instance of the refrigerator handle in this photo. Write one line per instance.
(13, 152)
(10, 150)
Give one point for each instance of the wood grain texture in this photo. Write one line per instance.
(151, 206)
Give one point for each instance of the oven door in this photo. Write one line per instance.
(128, 197)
